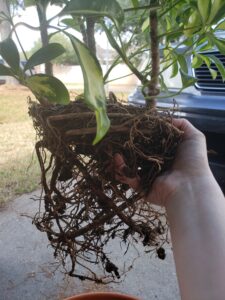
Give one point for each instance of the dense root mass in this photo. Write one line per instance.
(85, 206)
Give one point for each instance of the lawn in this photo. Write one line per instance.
(19, 171)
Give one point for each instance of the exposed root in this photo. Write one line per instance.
(85, 207)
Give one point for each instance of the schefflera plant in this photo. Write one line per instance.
(170, 33)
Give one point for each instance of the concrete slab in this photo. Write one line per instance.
(27, 264)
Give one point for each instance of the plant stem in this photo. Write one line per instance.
(153, 87)
(83, 30)
(41, 10)
(91, 34)
(88, 32)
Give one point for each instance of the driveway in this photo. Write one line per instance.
(27, 266)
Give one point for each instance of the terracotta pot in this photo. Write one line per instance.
(102, 296)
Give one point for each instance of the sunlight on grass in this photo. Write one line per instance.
(19, 170)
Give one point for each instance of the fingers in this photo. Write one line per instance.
(133, 183)
(189, 130)
(119, 163)
(119, 166)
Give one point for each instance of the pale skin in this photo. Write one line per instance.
(195, 206)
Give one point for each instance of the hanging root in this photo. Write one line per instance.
(85, 206)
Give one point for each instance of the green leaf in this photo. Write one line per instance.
(28, 3)
(163, 85)
(10, 54)
(213, 73)
(206, 60)
(48, 88)
(145, 25)
(174, 69)
(134, 3)
(217, 11)
(44, 54)
(187, 80)
(5, 71)
(98, 8)
(220, 44)
(220, 26)
(72, 23)
(205, 47)
(204, 7)
(94, 93)
(119, 48)
(197, 62)
(182, 63)
(193, 25)
(103, 123)
(218, 64)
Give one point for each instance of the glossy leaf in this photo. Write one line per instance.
(48, 88)
(5, 71)
(204, 7)
(99, 8)
(94, 93)
(44, 54)
(218, 64)
(10, 54)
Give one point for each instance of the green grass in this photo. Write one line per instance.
(19, 170)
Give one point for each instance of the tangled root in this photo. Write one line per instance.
(85, 207)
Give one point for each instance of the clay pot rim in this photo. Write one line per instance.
(123, 296)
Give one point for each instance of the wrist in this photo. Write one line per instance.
(196, 216)
(190, 188)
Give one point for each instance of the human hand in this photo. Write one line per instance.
(190, 163)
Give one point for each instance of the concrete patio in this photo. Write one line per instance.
(27, 264)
